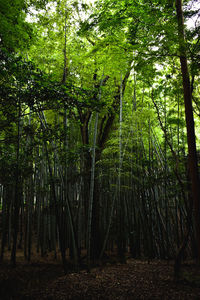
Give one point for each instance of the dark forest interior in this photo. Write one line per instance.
(99, 149)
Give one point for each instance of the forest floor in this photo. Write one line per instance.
(43, 279)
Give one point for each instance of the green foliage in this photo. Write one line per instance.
(62, 62)
(15, 32)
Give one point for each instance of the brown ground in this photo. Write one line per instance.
(44, 279)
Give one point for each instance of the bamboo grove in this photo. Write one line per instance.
(93, 142)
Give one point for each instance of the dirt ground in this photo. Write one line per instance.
(137, 279)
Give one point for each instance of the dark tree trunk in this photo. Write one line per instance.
(18, 193)
(193, 163)
(96, 237)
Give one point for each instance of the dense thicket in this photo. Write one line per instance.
(94, 151)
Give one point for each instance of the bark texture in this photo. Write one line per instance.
(193, 162)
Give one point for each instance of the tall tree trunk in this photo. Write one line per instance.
(120, 208)
(17, 193)
(65, 69)
(193, 163)
(91, 197)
